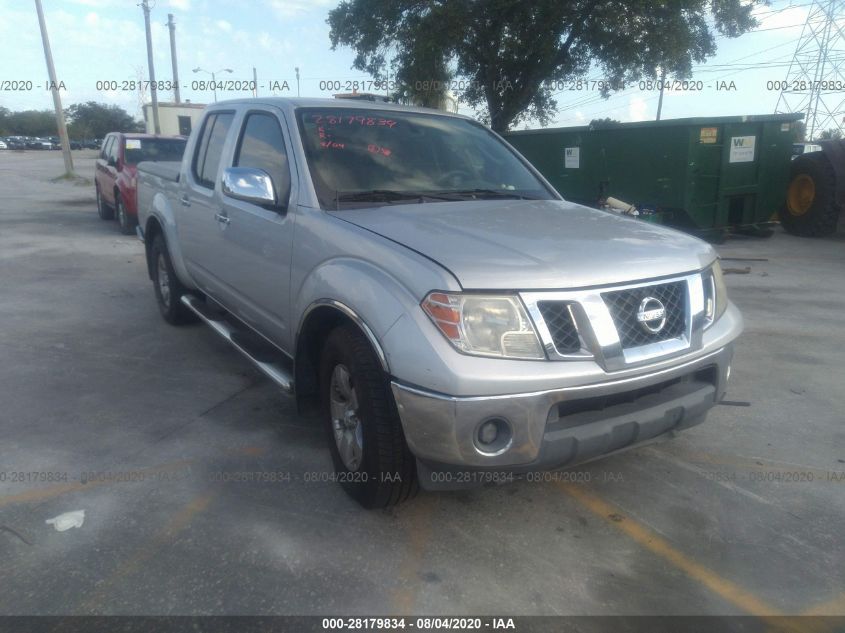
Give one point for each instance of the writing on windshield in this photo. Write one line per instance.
(412, 156)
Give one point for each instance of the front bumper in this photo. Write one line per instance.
(557, 428)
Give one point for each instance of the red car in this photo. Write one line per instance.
(115, 176)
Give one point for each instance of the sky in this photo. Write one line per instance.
(103, 41)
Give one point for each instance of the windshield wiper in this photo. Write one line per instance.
(487, 193)
(389, 195)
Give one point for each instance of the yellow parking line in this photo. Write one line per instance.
(727, 590)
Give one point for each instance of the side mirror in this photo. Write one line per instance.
(111, 162)
(250, 185)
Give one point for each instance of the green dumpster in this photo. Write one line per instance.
(698, 174)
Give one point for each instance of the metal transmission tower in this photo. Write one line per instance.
(815, 82)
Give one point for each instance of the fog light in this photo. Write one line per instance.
(493, 437)
(488, 432)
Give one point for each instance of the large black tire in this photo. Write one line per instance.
(168, 288)
(125, 221)
(103, 210)
(386, 471)
(810, 209)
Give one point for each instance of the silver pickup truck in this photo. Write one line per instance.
(411, 277)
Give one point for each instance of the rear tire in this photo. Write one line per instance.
(103, 210)
(810, 209)
(371, 458)
(124, 220)
(168, 288)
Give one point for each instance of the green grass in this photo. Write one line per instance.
(73, 179)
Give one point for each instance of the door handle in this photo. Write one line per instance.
(185, 201)
(222, 218)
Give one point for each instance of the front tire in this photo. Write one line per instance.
(370, 455)
(125, 221)
(103, 210)
(168, 288)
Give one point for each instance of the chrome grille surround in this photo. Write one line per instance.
(597, 330)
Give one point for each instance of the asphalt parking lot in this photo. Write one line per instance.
(107, 409)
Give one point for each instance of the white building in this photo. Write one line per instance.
(173, 118)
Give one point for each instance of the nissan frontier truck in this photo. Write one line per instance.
(408, 275)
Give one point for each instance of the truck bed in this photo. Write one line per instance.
(166, 170)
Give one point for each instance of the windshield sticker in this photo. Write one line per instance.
(133, 143)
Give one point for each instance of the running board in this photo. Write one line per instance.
(269, 361)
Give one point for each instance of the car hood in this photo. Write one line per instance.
(534, 244)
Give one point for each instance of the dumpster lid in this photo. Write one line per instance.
(690, 121)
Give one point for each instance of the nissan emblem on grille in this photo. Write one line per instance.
(652, 314)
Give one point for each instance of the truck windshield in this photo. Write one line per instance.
(361, 158)
(154, 149)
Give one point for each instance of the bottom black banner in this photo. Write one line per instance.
(523, 624)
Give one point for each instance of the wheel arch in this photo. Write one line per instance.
(152, 229)
(319, 319)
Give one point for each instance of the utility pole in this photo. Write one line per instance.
(54, 88)
(660, 99)
(146, 7)
(172, 26)
(297, 80)
(254, 82)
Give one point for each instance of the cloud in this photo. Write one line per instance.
(297, 8)
(770, 18)
(223, 25)
(637, 108)
(182, 5)
(98, 4)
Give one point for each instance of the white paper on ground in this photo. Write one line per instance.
(67, 520)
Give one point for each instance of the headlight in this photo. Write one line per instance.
(715, 294)
(485, 325)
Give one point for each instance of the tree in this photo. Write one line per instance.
(95, 120)
(607, 122)
(833, 133)
(30, 123)
(512, 56)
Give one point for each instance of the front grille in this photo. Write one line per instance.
(561, 326)
(624, 305)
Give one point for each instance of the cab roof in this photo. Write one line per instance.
(291, 103)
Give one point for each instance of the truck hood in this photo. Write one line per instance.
(534, 244)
